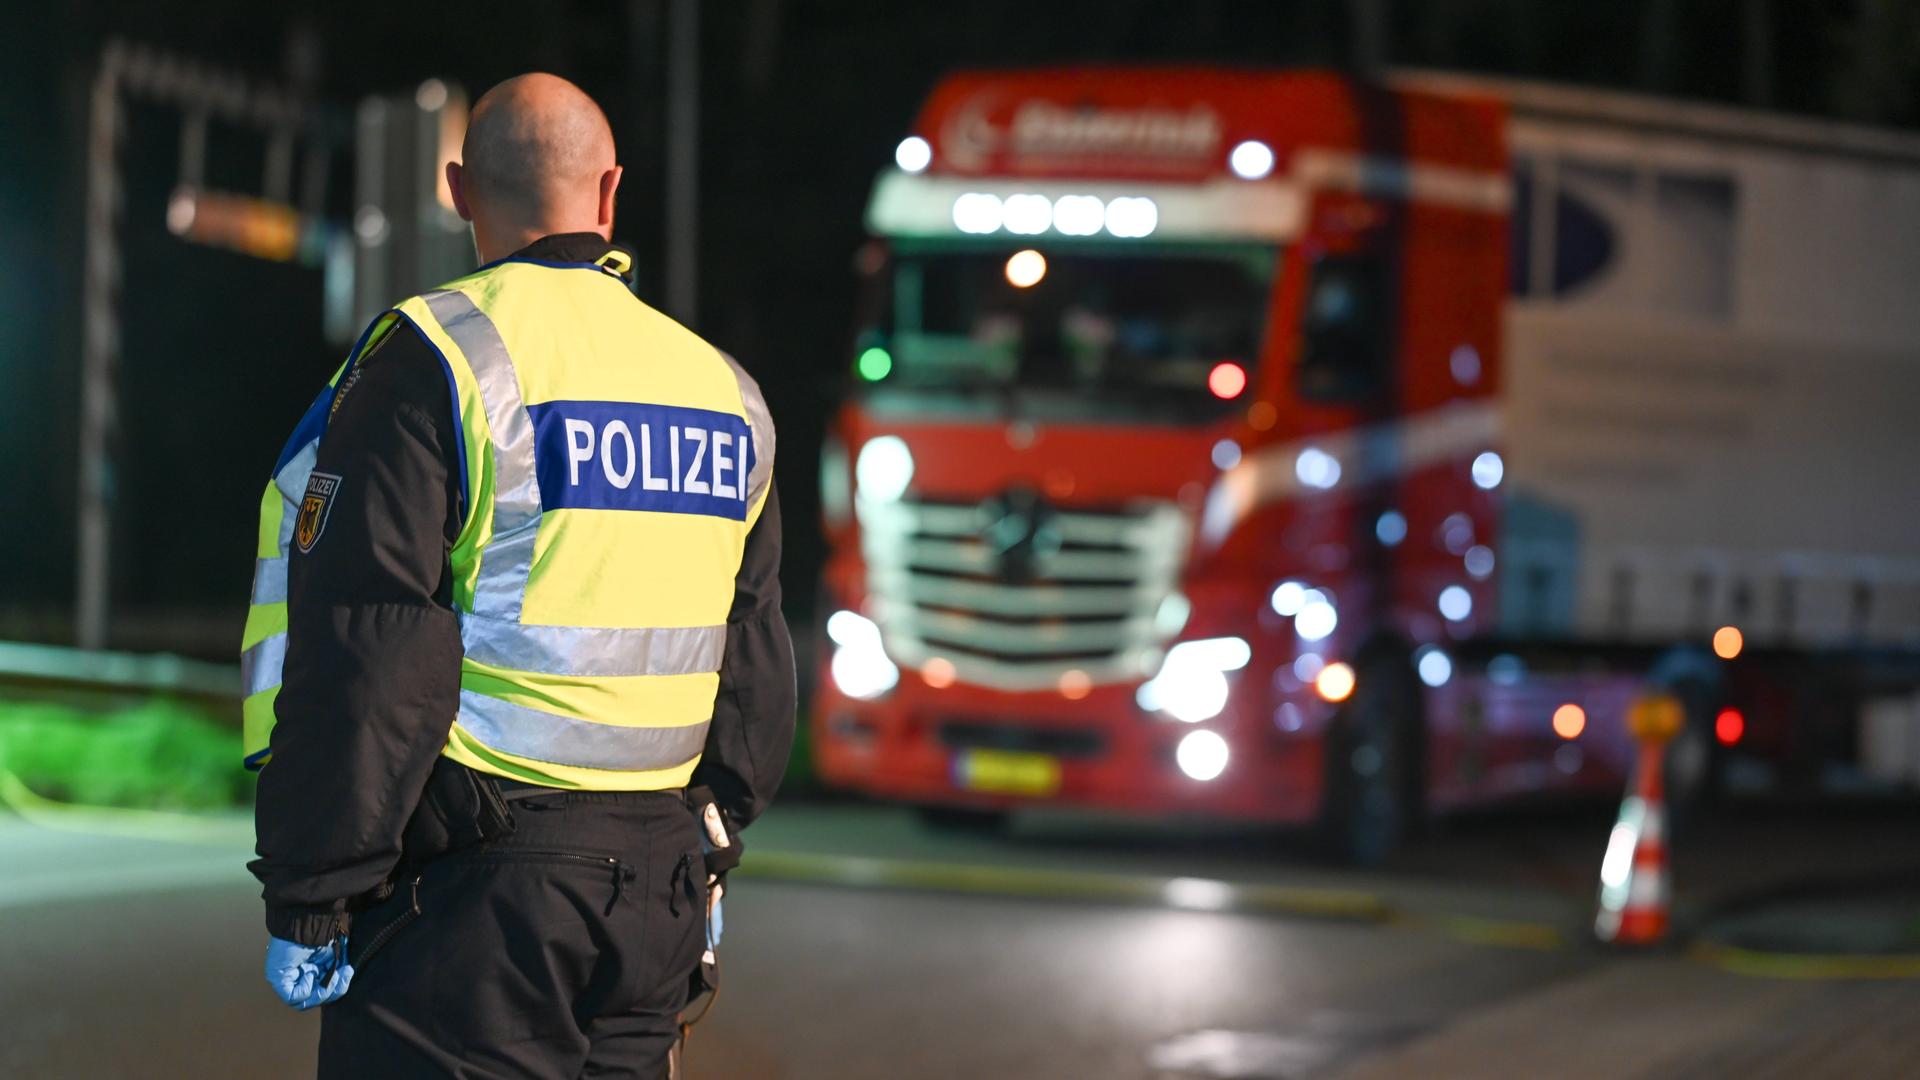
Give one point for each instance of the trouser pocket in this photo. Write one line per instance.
(375, 927)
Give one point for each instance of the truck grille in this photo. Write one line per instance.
(1024, 738)
(1015, 593)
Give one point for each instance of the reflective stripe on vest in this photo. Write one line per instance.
(563, 740)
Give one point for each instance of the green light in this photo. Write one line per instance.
(874, 364)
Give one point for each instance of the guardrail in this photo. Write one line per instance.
(55, 665)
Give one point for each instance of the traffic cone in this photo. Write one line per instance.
(1635, 891)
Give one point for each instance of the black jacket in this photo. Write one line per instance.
(372, 675)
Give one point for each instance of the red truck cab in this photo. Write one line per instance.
(1173, 477)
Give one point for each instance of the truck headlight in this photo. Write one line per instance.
(1202, 754)
(884, 469)
(1192, 682)
(860, 666)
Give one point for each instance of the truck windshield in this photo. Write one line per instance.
(1064, 330)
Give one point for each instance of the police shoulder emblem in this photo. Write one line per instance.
(314, 508)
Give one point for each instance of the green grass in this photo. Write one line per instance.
(160, 754)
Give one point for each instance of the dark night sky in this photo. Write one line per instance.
(802, 102)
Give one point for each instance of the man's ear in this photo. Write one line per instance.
(609, 183)
(454, 188)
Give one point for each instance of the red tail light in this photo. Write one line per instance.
(1729, 726)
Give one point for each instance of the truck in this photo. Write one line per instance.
(1292, 448)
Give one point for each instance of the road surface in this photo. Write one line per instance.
(1063, 951)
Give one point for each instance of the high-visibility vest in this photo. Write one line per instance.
(614, 463)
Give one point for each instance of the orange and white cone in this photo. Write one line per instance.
(1635, 892)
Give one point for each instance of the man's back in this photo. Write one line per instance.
(522, 562)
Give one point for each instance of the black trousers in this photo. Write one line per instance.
(562, 950)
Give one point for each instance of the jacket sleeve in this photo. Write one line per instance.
(372, 674)
(753, 716)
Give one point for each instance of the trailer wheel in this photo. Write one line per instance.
(1375, 782)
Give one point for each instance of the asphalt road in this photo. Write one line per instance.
(135, 956)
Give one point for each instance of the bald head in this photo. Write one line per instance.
(538, 159)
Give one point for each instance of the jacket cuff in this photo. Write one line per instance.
(309, 926)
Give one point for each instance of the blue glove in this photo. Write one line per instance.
(305, 976)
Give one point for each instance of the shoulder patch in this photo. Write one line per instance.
(314, 508)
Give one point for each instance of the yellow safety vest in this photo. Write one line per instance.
(614, 463)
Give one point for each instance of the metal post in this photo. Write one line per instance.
(683, 165)
(1368, 54)
(99, 355)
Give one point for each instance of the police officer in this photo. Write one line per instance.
(515, 633)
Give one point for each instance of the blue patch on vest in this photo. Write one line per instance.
(616, 455)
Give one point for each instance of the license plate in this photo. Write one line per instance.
(1006, 772)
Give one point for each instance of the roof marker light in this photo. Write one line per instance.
(913, 154)
(978, 213)
(1028, 215)
(1079, 215)
(1251, 160)
(1132, 216)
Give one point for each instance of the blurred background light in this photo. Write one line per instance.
(1251, 160)
(1316, 468)
(1227, 380)
(860, 666)
(913, 155)
(1479, 562)
(938, 672)
(1079, 215)
(1026, 268)
(1027, 215)
(1317, 617)
(1202, 755)
(1390, 528)
(1464, 363)
(978, 213)
(1191, 685)
(1727, 642)
(875, 363)
(1131, 217)
(1287, 598)
(883, 469)
(1487, 471)
(1335, 682)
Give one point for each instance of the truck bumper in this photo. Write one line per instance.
(934, 747)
